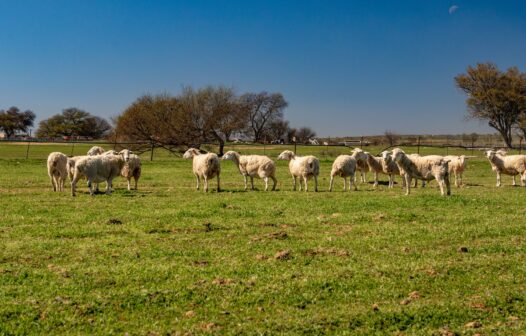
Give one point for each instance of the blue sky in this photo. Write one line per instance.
(345, 67)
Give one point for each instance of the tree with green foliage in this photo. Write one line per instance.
(13, 120)
(496, 96)
(73, 122)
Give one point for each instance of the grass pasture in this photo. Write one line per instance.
(169, 260)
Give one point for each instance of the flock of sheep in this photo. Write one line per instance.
(104, 166)
(98, 166)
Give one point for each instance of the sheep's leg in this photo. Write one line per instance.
(266, 183)
(74, 184)
(305, 182)
(351, 183)
(129, 183)
(408, 184)
(218, 186)
(523, 179)
(205, 182)
(252, 182)
(52, 177)
(332, 181)
(90, 187)
(344, 183)
(498, 179)
(448, 184)
(198, 182)
(514, 183)
(136, 178)
(246, 182)
(391, 180)
(293, 183)
(364, 180)
(108, 186)
(316, 183)
(460, 182)
(375, 184)
(274, 183)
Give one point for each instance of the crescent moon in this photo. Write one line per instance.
(452, 9)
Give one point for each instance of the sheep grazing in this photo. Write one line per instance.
(132, 167)
(507, 164)
(57, 170)
(345, 166)
(390, 168)
(99, 168)
(375, 165)
(423, 168)
(457, 165)
(303, 167)
(95, 150)
(253, 166)
(205, 166)
(361, 165)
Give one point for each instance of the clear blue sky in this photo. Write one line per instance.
(345, 67)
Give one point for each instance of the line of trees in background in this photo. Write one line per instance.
(13, 121)
(205, 115)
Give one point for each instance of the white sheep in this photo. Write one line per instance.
(361, 165)
(98, 168)
(375, 165)
(390, 168)
(507, 164)
(253, 166)
(345, 166)
(457, 165)
(95, 150)
(132, 168)
(205, 166)
(57, 170)
(303, 167)
(423, 168)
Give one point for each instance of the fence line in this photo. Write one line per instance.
(145, 147)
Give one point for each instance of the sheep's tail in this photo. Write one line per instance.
(314, 166)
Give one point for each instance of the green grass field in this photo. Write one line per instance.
(169, 260)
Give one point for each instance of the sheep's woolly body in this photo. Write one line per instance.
(95, 150)
(361, 164)
(57, 170)
(205, 166)
(375, 165)
(303, 167)
(258, 166)
(390, 168)
(99, 168)
(424, 168)
(132, 168)
(457, 166)
(507, 164)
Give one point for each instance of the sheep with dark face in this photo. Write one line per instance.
(205, 166)
(303, 167)
(424, 168)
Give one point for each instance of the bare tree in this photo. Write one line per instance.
(264, 109)
(391, 137)
(278, 130)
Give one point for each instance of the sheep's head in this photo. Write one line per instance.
(397, 154)
(125, 153)
(490, 154)
(386, 156)
(230, 155)
(502, 152)
(190, 153)
(286, 155)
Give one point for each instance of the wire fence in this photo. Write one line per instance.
(35, 149)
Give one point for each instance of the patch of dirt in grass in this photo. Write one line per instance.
(280, 235)
(222, 282)
(326, 251)
(283, 255)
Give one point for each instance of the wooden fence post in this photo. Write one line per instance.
(151, 153)
(27, 150)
